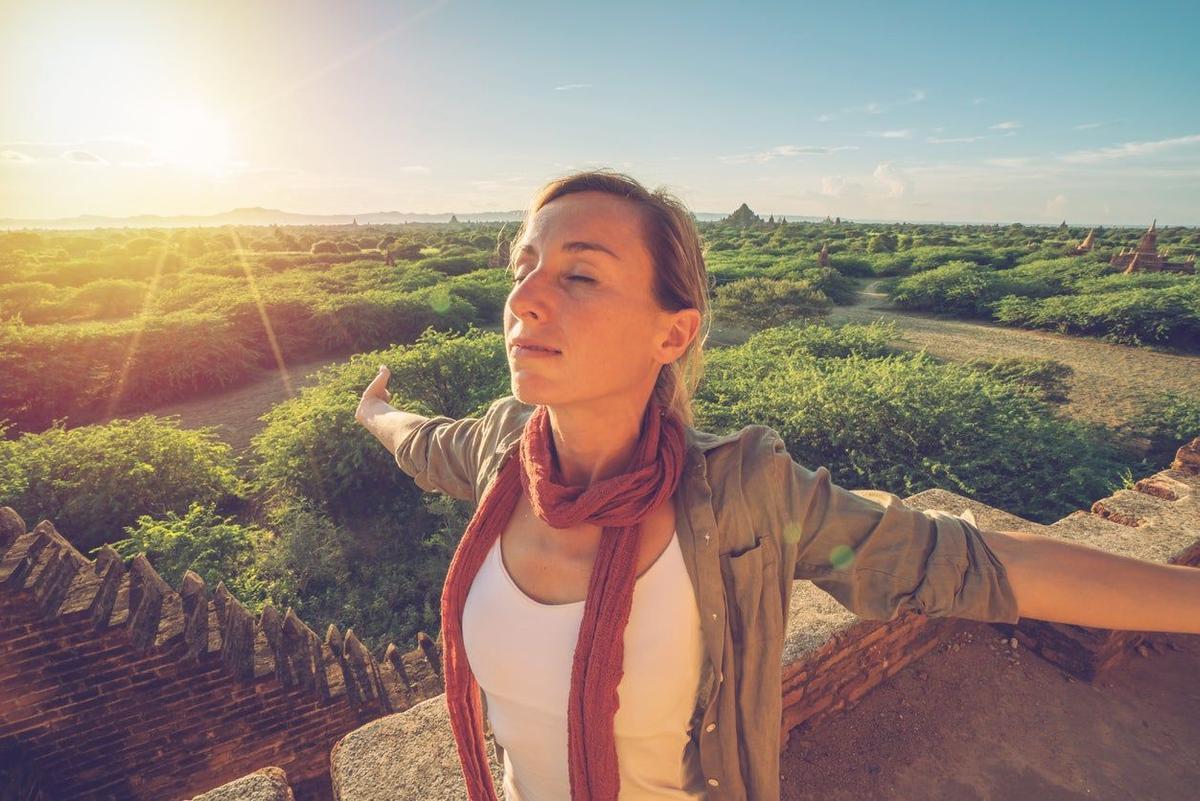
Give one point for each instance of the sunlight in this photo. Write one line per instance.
(191, 137)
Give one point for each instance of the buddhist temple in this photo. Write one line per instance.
(1146, 258)
(743, 217)
(1086, 246)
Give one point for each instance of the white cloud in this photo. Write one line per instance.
(1055, 206)
(975, 101)
(1127, 150)
(893, 181)
(1012, 161)
(874, 106)
(566, 87)
(835, 186)
(1008, 125)
(783, 151)
(82, 157)
(903, 133)
(1085, 126)
(422, 169)
(935, 140)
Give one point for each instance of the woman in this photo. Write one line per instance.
(617, 606)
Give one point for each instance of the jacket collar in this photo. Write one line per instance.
(697, 442)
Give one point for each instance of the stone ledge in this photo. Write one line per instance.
(409, 755)
(265, 784)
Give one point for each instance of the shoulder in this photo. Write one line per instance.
(743, 454)
(506, 418)
(740, 470)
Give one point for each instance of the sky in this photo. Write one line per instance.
(912, 111)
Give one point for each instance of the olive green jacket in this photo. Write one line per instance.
(751, 520)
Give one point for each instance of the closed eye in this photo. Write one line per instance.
(515, 279)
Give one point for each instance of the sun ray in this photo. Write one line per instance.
(135, 341)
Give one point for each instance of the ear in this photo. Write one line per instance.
(683, 327)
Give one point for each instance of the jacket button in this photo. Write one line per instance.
(710, 727)
(713, 782)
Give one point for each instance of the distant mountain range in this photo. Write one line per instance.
(261, 216)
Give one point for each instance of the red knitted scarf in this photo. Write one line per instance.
(618, 504)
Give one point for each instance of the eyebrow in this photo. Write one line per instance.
(576, 247)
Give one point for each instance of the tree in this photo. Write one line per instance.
(883, 242)
(757, 303)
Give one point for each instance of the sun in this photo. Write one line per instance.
(191, 137)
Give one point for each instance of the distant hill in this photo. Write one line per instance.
(254, 216)
(260, 216)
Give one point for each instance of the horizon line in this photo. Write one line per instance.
(102, 221)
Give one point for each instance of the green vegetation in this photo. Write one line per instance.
(1071, 295)
(766, 302)
(93, 480)
(319, 517)
(904, 423)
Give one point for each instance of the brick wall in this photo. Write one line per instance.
(114, 685)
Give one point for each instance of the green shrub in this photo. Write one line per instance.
(1165, 316)
(486, 290)
(958, 286)
(1045, 378)
(94, 368)
(824, 340)
(324, 246)
(216, 548)
(312, 447)
(105, 299)
(459, 265)
(1169, 420)
(379, 575)
(92, 481)
(905, 423)
(27, 298)
(756, 303)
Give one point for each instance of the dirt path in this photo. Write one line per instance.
(235, 412)
(1109, 381)
(982, 721)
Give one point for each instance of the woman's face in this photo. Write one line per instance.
(595, 307)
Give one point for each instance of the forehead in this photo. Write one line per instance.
(589, 216)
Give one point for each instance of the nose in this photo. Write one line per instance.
(531, 296)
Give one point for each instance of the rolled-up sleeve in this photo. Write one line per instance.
(878, 557)
(442, 454)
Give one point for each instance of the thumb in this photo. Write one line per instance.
(381, 379)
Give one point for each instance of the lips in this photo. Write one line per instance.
(531, 345)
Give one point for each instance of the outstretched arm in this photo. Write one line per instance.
(1067, 582)
(878, 557)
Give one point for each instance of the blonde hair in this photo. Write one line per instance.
(680, 279)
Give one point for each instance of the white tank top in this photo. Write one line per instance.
(521, 652)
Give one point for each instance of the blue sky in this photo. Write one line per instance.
(909, 111)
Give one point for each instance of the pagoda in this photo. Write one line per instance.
(1086, 246)
(743, 217)
(1146, 258)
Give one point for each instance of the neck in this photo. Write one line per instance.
(596, 441)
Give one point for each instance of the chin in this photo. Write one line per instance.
(534, 391)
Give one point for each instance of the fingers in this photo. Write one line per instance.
(379, 383)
